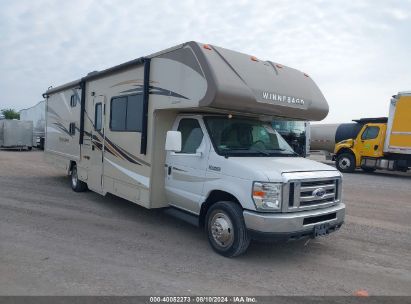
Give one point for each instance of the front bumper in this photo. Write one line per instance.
(293, 224)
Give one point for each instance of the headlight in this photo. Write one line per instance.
(267, 196)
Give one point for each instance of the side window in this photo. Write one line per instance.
(98, 117)
(118, 114)
(72, 128)
(191, 135)
(73, 101)
(134, 121)
(126, 113)
(370, 133)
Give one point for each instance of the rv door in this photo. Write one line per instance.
(95, 180)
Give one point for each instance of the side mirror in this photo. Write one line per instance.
(173, 141)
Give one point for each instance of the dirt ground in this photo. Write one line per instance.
(57, 242)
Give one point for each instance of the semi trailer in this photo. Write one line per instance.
(369, 143)
(36, 114)
(16, 134)
(189, 130)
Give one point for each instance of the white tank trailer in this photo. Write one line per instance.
(36, 114)
(16, 134)
(325, 136)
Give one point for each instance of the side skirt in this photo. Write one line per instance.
(183, 215)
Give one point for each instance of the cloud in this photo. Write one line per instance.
(357, 52)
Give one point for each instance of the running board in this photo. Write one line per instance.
(183, 215)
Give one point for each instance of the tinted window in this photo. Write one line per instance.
(243, 136)
(127, 113)
(98, 117)
(73, 101)
(118, 114)
(191, 135)
(72, 128)
(134, 119)
(370, 133)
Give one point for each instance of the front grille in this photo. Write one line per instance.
(320, 218)
(308, 194)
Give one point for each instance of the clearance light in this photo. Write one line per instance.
(306, 75)
(253, 58)
(208, 47)
(279, 66)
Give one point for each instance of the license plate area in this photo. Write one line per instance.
(321, 229)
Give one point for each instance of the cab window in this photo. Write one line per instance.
(191, 135)
(370, 133)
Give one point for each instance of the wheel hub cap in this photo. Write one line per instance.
(345, 163)
(222, 230)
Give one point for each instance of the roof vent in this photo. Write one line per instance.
(92, 73)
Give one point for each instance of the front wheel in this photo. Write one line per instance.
(345, 162)
(76, 184)
(226, 229)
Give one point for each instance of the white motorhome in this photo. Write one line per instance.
(188, 129)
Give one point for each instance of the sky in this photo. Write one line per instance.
(358, 52)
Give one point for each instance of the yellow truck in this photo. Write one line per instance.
(370, 143)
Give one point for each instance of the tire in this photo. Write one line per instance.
(226, 230)
(368, 169)
(76, 184)
(345, 162)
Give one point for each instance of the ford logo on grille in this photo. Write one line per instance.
(319, 192)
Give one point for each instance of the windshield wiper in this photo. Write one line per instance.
(290, 152)
(260, 151)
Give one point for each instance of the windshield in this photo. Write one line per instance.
(245, 137)
(287, 127)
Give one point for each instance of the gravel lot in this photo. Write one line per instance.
(57, 242)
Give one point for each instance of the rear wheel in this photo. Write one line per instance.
(76, 184)
(226, 229)
(345, 162)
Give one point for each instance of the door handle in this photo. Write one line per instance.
(92, 147)
(169, 170)
(375, 147)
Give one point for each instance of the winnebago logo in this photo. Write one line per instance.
(283, 98)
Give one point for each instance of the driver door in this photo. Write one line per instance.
(185, 170)
(370, 140)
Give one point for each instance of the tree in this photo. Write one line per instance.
(10, 114)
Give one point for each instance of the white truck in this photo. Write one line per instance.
(188, 129)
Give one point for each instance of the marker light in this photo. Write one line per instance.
(253, 58)
(208, 47)
(279, 66)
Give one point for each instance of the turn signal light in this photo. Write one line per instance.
(258, 193)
